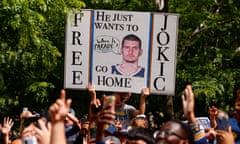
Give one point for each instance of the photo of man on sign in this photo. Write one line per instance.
(131, 50)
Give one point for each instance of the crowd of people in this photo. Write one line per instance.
(111, 121)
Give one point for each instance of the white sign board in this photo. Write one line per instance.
(164, 48)
(125, 51)
(118, 66)
(78, 32)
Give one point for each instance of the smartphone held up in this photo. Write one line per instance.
(109, 100)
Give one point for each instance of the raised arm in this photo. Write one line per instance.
(94, 103)
(213, 111)
(24, 115)
(188, 104)
(58, 111)
(43, 131)
(188, 109)
(104, 117)
(144, 94)
(225, 136)
(6, 129)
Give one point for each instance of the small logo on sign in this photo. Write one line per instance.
(104, 44)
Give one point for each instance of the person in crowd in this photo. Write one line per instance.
(17, 140)
(121, 134)
(222, 136)
(218, 118)
(234, 116)
(178, 132)
(213, 112)
(84, 131)
(112, 140)
(174, 132)
(124, 112)
(105, 116)
(28, 135)
(5, 130)
(38, 132)
(72, 126)
(26, 117)
(140, 121)
(42, 131)
(85, 123)
(58, 111)
(140, 135)
(131, 51)
(218, 121)
(225, 136)
(188, 110)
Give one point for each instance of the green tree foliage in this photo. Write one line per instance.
(31, 42)
(208, 49)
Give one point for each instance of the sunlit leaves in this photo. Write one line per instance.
(39, 91)
(31, 42)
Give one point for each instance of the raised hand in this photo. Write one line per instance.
(104, 117)
(213, 112)
(145, 92)
(59, 110)
(92, 91)
(142, 106)
(188, 103)
(43, 131)
(7, 125)
(94, 103)
(225, 137)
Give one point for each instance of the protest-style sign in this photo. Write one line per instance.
(163, 57)
(96, 52)
(78, 34)
(116, 67)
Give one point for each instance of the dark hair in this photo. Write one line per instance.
(84, 118)
(186, 129)
(144, 134)
(132, 37)
(139, 117)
